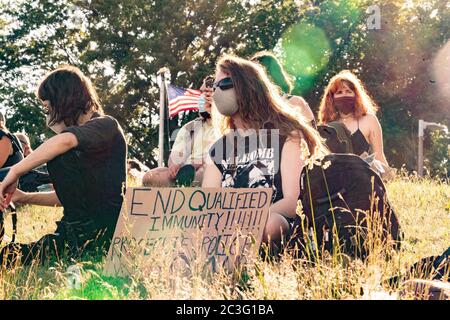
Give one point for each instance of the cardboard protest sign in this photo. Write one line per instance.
(224, 226)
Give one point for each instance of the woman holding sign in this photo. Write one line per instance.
(264, 144)
(86, 161)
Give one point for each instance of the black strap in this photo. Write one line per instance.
(17, 146)
(16, 143)
(14, 221)
(191, 133)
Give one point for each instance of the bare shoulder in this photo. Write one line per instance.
(300, 102)
(369, 119)
(295, 136)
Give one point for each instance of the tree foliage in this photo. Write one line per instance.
(122, 44)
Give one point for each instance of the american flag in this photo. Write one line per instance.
(181, 99)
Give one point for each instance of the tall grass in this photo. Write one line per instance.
(422, 206)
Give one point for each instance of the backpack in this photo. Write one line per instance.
(32, 180)
(333, 192)
(337, 137)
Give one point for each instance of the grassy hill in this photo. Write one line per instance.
(422, 205)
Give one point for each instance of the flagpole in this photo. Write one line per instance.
(162, 76)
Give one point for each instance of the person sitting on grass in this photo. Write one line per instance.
(345, 100)
(247, 156)
(86, 160)
(189, 151)
(347, 103)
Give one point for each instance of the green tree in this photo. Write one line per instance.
(35, 37)
(135, 38)
(394, 62)
(122, 44)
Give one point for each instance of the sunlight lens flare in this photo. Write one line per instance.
(305, 51)
(441, 72)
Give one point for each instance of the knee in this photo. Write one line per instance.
(148, 178)
(156, 177)
(277, 228)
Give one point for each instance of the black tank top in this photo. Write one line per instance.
(17, 154)
(359, 142)
(256, 162)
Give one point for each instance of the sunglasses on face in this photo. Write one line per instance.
(223, 84)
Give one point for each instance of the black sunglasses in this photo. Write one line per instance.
(224, 84)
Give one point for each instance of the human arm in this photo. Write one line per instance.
(173, 168)
(49, 199)
(179, 153)
(291, 167)
(212, 177)
(301, 103)
(50, 149)
(376, 139)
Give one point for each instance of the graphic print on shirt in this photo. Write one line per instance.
(255, 169)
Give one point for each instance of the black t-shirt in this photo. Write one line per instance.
(101, 152)
(256, 162)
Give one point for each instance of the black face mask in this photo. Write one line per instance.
(344, 105)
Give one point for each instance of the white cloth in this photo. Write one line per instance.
(204, 135)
